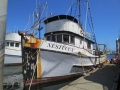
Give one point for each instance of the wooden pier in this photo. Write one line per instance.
(99, 79)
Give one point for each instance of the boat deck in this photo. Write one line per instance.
(99, 79)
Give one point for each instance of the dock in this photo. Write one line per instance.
(98, 79)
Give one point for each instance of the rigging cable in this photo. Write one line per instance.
(39, 18)
(87, 17)
(75, 11)
(71, 8)
(27, 23)
(22, 65)
(85, 24)
(91, 20)
(93, 28)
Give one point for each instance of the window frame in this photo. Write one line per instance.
(81, 41)
(16, 44)
(7, 44)
(11, 44)
(47, 37)
(89, 45)
(66, 40)
(73, 39)
(61, 38)
(53, 38)
(70, 39)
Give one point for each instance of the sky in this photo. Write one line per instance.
(105, 16)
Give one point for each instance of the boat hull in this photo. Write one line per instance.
(60, 64)
(12, 60)
(54, 64)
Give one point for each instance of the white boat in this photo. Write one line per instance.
(12, 49)
(64, 50)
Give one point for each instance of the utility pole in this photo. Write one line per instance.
(3, 15)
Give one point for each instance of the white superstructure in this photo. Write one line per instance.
(65, 29)
(13, 49)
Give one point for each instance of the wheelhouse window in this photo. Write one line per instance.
(89, 45)
(59, 38)
(11, 44)
(16, 44)
(65, 38)
(7, 43)
(54, 38)
(72, 39)
(48, 38)
(80, 41)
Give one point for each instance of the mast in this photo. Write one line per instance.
(96, 52)
(79, 12)
(3, 14)
(39, 19)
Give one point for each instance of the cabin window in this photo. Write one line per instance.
(16, 44)
(89, 45)
(7, 43)
(66, 38)
(72, 39)
(12, 44)
(54, 38)
(48, 38)
(59, 38)
(80, 41)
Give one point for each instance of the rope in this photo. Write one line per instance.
(21, 66)
(34, 68)
(32, 75)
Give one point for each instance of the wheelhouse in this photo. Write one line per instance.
(66, 30)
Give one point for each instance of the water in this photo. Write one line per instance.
(110, 56)
(9, 70)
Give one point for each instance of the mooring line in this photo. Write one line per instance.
(21, 66)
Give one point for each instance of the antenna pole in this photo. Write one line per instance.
(79, 12)
(46, 9)
(39, 19)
